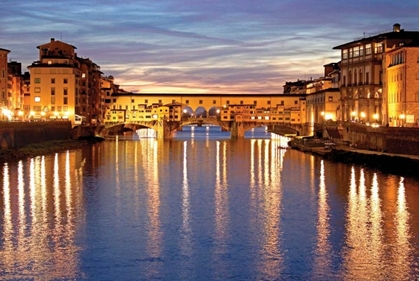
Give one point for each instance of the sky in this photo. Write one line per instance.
(201, 46)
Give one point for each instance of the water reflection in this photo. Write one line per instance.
(150, 159)
(266, 200)
(221, 209)
(37, 223)
(322, 262)
(204, 208)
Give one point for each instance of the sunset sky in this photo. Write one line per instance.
(201, 46)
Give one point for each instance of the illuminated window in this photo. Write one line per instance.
(37, 80)
(83, 75)
(37, 99)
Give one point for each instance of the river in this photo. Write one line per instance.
(204, 207)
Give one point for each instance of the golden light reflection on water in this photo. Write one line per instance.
(221, 207)
(266, 196)
(367, 255)
(37, 224)
(402, 247)
(186, 232)
(149, 150)
(323, 246)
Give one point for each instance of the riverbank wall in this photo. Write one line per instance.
(15, 135)
(397, 140)
(397, 164)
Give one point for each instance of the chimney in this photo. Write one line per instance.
(396, 27)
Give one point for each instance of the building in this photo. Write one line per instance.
(54, 82)
(3, 80)
(323, 99)
(364, 76)
(402, 87)
(16, 89)
(88, 102)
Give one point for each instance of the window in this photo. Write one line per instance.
(227, 102)
(37, 90)
(37, 80)
(187, 101)
(65, 100)
(378, 48)
(214, 101)
(345, 54)
(368, 49)
(356, 51)
(52, 80)
(132, 100)
(83, 75)
(52, 100)
(65, 80)
(65, 91)
(330, 98)
(52, 91)
(37, 99)
(296, 102)
(367, 78)
(200, 101)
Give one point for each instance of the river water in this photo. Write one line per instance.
(204, 207)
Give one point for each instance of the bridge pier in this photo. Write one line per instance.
(164, 129)
(237, 130)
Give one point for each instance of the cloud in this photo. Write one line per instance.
(199, 45)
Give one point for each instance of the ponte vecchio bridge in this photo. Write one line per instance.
(236, 113)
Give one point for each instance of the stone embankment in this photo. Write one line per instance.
(397, 164)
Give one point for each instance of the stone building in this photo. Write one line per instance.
(364, 75)
(63, 85)
(3, 77)
(402, 87)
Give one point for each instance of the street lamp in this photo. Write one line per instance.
(362, 115)
(353, 115)
(402, 117)
(376, 117)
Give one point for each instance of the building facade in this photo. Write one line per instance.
(54, 82)
(3, 79)
(402, 87)
(363, 94)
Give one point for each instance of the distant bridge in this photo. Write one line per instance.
(166, 128)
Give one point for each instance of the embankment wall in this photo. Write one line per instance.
(15, 135)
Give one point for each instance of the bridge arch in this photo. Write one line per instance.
(200, 111)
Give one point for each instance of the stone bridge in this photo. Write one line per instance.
(166, 128)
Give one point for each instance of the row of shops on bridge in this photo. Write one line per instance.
(227, 113)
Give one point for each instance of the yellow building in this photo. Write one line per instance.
(54, 82)
(364, 74)
(323, 99)
(402, 87)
